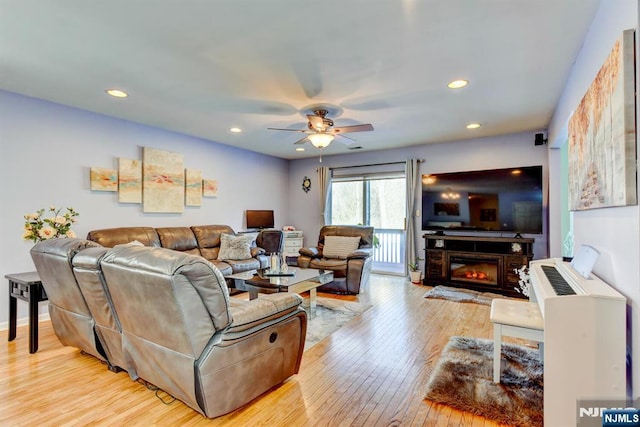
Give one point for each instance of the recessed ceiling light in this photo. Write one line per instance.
(300, 149)
(236, 130)
(473, 125)
(457, 84)
(117, 93)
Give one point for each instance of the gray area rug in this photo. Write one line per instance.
(461, 295)
(463, 379)
(329, 316)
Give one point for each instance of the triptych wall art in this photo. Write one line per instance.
(103, 179)
(602, 135)
(160, 182)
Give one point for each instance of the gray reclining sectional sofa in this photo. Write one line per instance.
(166, 317)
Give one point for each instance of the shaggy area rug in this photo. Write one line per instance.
(461, 295)
(329, 316)
(463, 379)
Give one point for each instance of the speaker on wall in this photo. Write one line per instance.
(540, 139)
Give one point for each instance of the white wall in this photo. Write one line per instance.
(47, 150)
(613, 231)
(477, 154)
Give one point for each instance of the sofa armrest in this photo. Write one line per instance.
(249, 314)
(310, 252)
(256, 250)
(361, 253)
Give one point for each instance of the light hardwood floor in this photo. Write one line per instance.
(371, 372)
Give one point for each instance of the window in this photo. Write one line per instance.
(377, 201)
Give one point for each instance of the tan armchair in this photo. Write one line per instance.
(351, 268)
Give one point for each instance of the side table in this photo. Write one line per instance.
(26, 287)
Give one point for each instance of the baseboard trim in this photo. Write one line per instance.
(24, 321)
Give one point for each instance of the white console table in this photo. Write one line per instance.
(293, 241)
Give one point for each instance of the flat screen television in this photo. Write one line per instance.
(508, 200)
(260, 219)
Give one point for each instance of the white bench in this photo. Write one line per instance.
(521, 319)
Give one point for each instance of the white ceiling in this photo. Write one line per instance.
(202, 67)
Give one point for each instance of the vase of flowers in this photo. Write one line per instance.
(38, 227)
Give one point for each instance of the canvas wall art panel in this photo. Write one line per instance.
(103, 179)
(602, 135)
(193, 189)
(129, 180)
(209, 187)
(162, 181)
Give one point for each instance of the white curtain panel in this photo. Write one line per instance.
(412, 178)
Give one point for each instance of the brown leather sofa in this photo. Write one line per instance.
(202, 240)
(351, 273)
(166, 317)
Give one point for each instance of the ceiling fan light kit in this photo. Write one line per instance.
(321, 131)
(320, 140)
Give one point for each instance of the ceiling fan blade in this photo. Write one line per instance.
(291, 130)
(301, 141)
(316, 121)
(345, 137)
(355, 128)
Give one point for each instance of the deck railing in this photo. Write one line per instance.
(391, 249)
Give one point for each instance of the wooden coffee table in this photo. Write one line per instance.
(303, 279)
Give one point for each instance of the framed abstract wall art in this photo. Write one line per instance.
(209, 187)
(103, 179)
(129, 180)
(193, 189)
(602, 135)
(162, 181)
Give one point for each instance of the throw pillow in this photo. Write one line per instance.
(339, 246)
(234, 247)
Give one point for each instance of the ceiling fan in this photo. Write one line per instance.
(321, 131)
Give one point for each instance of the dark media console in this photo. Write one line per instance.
(484, 264)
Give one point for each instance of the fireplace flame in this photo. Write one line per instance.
(479, 275)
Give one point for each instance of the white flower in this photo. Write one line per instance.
(71, 234)
(523, 283)
(46, 233)
(60, 220)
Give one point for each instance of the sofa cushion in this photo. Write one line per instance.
(242, 265)
(339, 246)
(179, 239)
(109, 237)
(224, 268)
(208, 237)
(234, 247)
(338, 266)
(248, 314)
